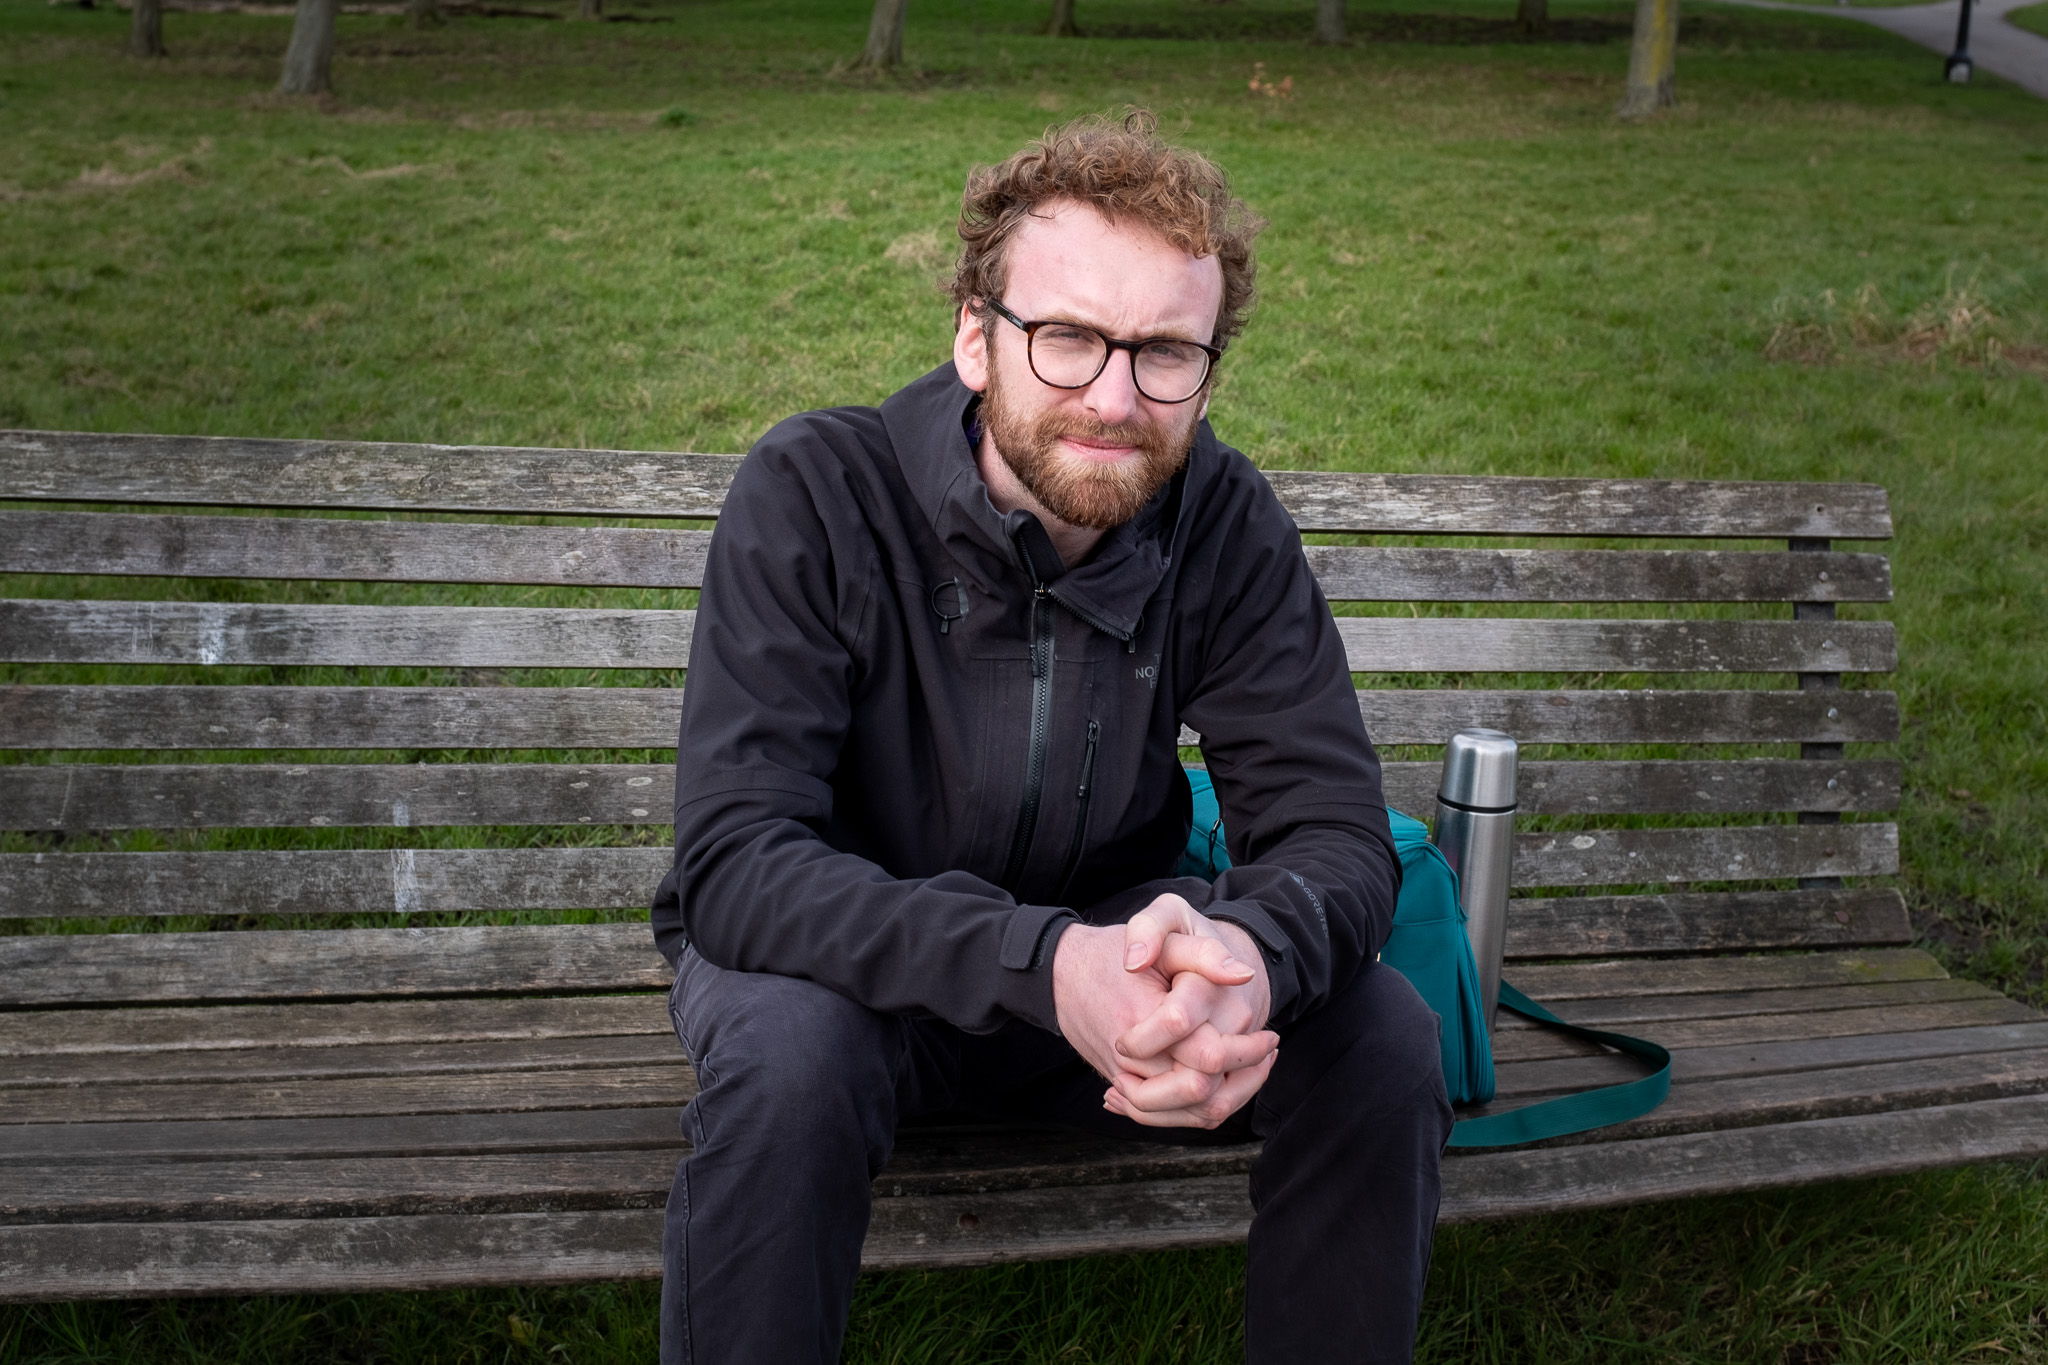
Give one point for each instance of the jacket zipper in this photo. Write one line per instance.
(1080, 811)
(1041, 719)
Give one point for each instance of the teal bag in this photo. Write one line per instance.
(1428, 945)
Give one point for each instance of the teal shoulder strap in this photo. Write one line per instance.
(1570, 1113)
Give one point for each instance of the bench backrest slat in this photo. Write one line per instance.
(208, 633)
(73, 716)
(152, 545)
(226, 471)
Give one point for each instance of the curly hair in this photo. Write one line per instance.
(1124, 171)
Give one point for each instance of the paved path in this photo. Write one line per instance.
(1996, 46)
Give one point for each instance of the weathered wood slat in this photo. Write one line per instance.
(161, 545)
(113, 1260)
(1739, 853)
(398, 1187)
(315, 964)
(405, 881)
(1690, 1065)
(1794, 1097)
(1656, 787)
(202, 717)
(1393, 574)
(317, 882)
(81, 796)
(70, 1071)
(91, 467)
(1649, 1011)
(206, 633)
(161, 1030)
(1681, 922)
(1489, 1185)
(1630, 977)
(377, 1136)
(669, 1086)
(1536, 1044)
(68, 466)
(1395, 644)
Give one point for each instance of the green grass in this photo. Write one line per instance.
(1824, 264)
(2032, 18)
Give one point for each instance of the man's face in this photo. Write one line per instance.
(1091, 456)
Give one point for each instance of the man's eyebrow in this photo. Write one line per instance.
(1098, 327)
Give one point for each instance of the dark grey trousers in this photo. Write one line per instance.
(802, 1090)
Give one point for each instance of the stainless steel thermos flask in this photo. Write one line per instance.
(1475, 831)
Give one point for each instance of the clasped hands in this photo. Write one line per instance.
(1171, 1009)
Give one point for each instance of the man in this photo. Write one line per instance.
(929, 805)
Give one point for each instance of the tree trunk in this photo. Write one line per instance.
(146, 30)
(1652, 58)
(1329, 21)
(590, 9)
(885, 35)
(425, 13)
(1532, 18)
(1062, 25)
(309, 60)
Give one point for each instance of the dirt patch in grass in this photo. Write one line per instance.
(1959, 326)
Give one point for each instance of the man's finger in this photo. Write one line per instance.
(1145, 932)
(1208, 1050)
(1180, 1088)
(1205, 956)
(1235, 1092)
(1185, 1009)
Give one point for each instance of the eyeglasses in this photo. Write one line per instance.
(1067, 355)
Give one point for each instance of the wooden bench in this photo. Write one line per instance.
(488, 1092)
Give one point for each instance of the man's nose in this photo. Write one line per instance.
(1113, 397)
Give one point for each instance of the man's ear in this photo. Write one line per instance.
(970, 351)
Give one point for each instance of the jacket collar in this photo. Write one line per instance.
(926, 421)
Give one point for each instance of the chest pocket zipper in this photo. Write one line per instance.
(1080, 812)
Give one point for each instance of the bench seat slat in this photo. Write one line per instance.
(114, 1260)
(35, 630)
(1690, 1065)
(95, 796)
(401, 881)
(669, 1085)
(174, 716)
(159, 1030)
(389, 1135)
(289, 548)
(200, 470)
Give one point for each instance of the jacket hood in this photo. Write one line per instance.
(926, 422)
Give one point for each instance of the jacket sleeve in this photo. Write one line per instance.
(1314, 874)
(755, 887)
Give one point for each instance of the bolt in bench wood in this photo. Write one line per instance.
(229, 1108)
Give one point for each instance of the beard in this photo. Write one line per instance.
(1080, 493)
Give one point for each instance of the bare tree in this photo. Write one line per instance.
(309, 59)
(425, 13)
(885, 35)
(1329, 21)
(1532, 18)
(590, 9)
(146, 30)
(1652, 58)
(1062, 25)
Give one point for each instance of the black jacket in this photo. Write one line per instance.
(911, 740)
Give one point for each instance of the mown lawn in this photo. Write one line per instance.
(1824, 264)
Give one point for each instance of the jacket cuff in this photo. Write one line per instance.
(1283, 983)
(1024, 984)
